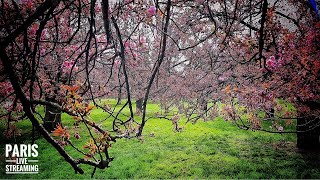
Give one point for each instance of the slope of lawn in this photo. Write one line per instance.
(213, 149)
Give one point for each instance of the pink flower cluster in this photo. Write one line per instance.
(6, 88)
(129, 47)
(271, 62)
(33, 29)
(151, 11)
(27, 3)
(42, 52)
(68, 65)
(142, 41)
(133, 49)
(117, 63)
(222, 78)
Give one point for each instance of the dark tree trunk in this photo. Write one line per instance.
(271, 113)
(309, 130)
(119, 97)
(204, 106)
(52, 116)
(139, 105)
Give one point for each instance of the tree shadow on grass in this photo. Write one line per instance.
(310, 167)
(247, 157)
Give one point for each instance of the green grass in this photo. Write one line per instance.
(214, 149)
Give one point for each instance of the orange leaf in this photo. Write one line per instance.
(89, 108)
(227, 89)
(59, 131)
(160, 13)
(91, 147)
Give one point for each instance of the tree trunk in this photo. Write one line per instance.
(52, 116)
(204, 106)
(119, 96)
(309, 130)
(271, 113)
(139, 107)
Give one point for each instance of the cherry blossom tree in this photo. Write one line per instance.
(61, 54)
(262, 57)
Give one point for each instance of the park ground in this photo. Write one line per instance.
(213, 149)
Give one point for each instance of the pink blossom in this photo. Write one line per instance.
(68, 65)
(221, 78)
(117, 63)
(102, 39)
(127, 44)
(27, 3)
(134, 55)
(270, 96)
(42, 51)
(271, 62)
(280, 128)
(142, 40)
(34, 28)
(44, 34)
(264, 70)
(151, 11)
(6, 88)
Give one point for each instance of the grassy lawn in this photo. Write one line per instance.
(214, 149)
